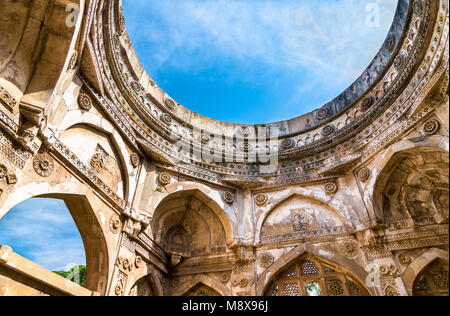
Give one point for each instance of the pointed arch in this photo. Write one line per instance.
(81, 207)
(217, 286)
(334, 258)
(205, 195)
(420, 263)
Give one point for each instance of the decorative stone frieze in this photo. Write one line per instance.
(331, 187)
(261, 198)
(84, 102)
(432, 127)
(134, 159)
(265, 260)
(43, 164)
(114, 223)
(164, 178)
(364, 174)
(228, 197)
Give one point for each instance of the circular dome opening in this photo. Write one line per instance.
(253, 62)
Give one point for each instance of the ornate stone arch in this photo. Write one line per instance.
(34, 74)
(389, 162)
(206, 195)
(97, 245)
(219, 287)
(418, 264)
(80, 118)
(352, 267)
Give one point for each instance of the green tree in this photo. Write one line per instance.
(77, 274)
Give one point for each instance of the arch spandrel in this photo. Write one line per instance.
(336, 260)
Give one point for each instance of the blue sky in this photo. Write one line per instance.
(43, 231)
(256, 61)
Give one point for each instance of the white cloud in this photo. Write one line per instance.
(326, 39)
(43, 231)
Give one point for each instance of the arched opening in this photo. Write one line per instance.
(412, 189)
(311, 276)
(186, 224)
(432, 280)
(45, 223)
(144, 287)
(201, 290)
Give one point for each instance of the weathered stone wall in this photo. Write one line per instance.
(360, 185)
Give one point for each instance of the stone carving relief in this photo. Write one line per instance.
(170, 104)
(328, 130)
(288, 222)
(84, 102)
(228, 197)
(114, 223)
(265, 260)
(348, 248)
(43, 164)
(331, 187)
(164, 178)
(404, 259)
(323, 113)
(261, 199)
(364, 174)
(7, 100)
(432, 127)
(99, 160)
(134, 158)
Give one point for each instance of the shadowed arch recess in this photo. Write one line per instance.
(92, 235)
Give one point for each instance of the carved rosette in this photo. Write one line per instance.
(391, 291)
(166, 118)
(125, 264)
(323, 113)
(261, 198)
(244, 131)
(205, 139)
(84, 102)
(118, 289)
(170, 104)
(399, 61)
(348, 248)
(432, 127)
(136, 87)
(328, 130)
(43, 164)
(288, 143)
(134, 159)
(265, 260)
(138, 262)
(404, 259)
(390, 43)
(228, 197)
(114, 223)
(7, 99)
(388, 271)
(364, 174)
(225, 277)
(164, 178)
(367, 103)
(331, 187)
